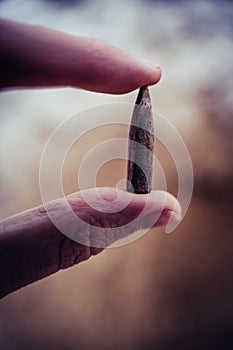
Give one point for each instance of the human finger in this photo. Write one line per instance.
(33, 56)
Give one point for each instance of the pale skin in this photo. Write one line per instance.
(31, 246)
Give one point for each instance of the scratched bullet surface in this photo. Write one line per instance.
(141, 145)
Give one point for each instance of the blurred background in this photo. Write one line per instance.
(162, 291)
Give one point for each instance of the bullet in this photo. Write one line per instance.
(141, 145)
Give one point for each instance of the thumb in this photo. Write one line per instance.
(109, 214)
(36, 243)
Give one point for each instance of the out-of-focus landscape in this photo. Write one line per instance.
(161, 291)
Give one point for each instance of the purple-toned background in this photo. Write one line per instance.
(162, 291)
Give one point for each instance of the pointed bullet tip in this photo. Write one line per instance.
(144, 96)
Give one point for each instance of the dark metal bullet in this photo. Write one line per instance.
(141, 145)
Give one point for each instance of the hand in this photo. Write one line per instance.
(31, 246)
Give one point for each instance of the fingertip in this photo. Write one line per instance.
(141, 74)
(171, 205)
(153, 72)
(162, 208)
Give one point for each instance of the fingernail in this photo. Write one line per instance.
(169, 216)
(175, 216)
(150, 64)
(159, 219)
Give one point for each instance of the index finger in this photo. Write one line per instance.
(33, 56)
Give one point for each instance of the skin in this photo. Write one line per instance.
(37, 57)
(31, 246)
